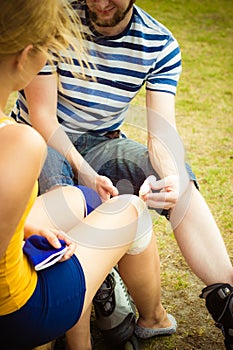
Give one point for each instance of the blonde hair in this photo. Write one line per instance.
(46, 24)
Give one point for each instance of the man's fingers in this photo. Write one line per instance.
(161, 199)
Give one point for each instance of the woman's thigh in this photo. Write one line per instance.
(61, 208)
(54, 307)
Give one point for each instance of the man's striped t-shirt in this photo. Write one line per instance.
(145, 53)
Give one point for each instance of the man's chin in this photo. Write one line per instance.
(116, 19)
(105, 24)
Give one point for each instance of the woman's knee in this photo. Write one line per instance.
(144, 227)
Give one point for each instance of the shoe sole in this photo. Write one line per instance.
(121, 333)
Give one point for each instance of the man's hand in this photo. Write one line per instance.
(105, 188)
(167, 195)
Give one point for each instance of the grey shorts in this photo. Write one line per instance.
(124, 161)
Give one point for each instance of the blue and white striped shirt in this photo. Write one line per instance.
(145, 53)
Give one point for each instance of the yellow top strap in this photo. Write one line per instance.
(6, 121)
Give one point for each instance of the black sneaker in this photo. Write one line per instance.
(219, 303)
(114, 310)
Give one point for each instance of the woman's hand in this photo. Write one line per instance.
(167, 193)
(105, 188)
(52, 235)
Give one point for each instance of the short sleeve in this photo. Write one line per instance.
(165, 73)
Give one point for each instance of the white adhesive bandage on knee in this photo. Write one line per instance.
(144, 229)
(134, 231)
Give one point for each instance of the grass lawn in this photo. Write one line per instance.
(204, 30)
(204, 109)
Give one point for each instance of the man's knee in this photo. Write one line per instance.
(56, 171)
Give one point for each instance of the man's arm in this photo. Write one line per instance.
(166, 150)
(41, 95)
(161, 124)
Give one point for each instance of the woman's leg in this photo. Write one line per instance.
(147, 293)
(126, 218)
(78, 337)
(48, 346)
(113, 217)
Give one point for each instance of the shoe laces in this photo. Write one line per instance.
(105, 294)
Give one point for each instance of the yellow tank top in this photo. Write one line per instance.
(17, 277)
